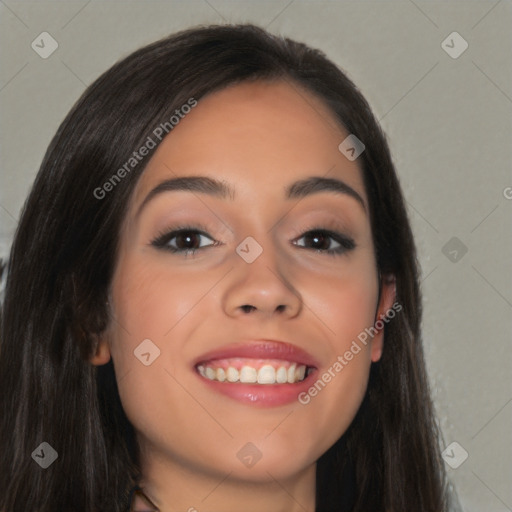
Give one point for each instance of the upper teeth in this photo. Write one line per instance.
(266, 374)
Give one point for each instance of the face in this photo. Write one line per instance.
(271, 281)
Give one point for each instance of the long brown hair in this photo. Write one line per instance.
(64, 255)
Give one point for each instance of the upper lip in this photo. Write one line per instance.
(260, 349)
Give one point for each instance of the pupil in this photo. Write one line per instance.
(187, 239)
(318, 237)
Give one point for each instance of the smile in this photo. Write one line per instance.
(254, 371)
(264, 373)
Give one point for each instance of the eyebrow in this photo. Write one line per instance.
(220, 189)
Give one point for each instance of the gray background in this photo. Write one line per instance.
(449, 126)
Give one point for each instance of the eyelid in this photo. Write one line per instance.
(164, 235)
(346, 242)
(330, 226)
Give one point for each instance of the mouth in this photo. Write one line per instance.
(254, 371)
(265, 373)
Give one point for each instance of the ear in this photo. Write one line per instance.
(387, 299)
(102, 352)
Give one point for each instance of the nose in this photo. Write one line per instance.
(261, 288)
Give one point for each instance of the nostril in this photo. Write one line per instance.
(248, 308)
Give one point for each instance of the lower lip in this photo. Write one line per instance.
(264, 395)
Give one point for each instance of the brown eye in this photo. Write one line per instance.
(186, 240)
(318, 240)
(322, 240)
(183, 240)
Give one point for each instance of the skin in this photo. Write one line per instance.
(258, 138)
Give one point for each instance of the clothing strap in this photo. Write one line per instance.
(139, 502)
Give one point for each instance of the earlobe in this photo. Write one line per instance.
(387, 299)
(102, 353)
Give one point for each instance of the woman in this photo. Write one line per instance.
(212, 300)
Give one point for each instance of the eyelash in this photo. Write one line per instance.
(162, 240)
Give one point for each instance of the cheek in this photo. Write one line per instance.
(155, 303)
(150, 300)
(146, 310)
(345, 301)
(346, 306)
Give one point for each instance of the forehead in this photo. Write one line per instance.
(258, 136)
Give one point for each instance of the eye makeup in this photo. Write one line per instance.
(193, 233)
